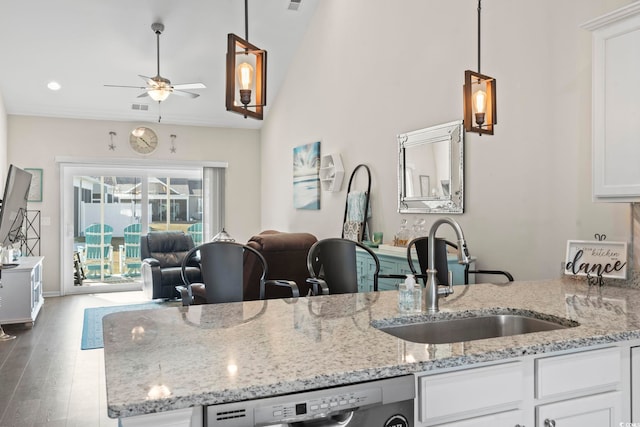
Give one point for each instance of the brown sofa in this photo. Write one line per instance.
(286, 255)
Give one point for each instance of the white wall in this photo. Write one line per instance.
(3, 142)
(35, 142)
(370, 69)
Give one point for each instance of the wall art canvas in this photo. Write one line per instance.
(35, 190)
(306, 176)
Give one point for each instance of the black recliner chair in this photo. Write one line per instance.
(162, 253)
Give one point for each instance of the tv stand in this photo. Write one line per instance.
(21, 291)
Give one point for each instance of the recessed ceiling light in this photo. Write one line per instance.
(53, 85)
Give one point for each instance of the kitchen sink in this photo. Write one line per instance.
(476, 327)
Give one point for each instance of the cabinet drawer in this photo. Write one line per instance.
(510, 418)
(470, 393)
(589, 371)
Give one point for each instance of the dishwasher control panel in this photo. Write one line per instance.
(318, 404)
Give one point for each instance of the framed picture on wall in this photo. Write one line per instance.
(35, 191)
(306, 176)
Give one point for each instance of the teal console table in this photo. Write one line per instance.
(393, 260)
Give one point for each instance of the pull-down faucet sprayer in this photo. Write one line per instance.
(433, 292)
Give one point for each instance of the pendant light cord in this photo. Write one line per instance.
(246, 21)
(479, 10)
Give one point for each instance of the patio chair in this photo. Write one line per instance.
(195, 231)
(130, 261)
(97, 251)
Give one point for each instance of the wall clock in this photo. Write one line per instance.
(143, 140)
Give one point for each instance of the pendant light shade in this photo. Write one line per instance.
(479, 97)
(479, 103)
(246, 78)
(246, 75)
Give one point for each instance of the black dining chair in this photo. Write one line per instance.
(333, 269)
(422, 251)
(224, 276)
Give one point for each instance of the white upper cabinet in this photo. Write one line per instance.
(616, 105)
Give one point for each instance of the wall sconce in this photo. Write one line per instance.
(479, 97)
(246, 75)
(172, 149)
(112, 145)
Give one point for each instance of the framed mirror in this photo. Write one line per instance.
(431, 169)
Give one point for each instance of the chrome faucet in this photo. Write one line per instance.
(433, 292)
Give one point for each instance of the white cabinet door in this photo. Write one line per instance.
(505, 419)
(615, 104)
(600, 410)
(635, 384)
(16, 297)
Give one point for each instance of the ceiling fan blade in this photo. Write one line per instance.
(143, 94)
(189, 86)
(150, 82)
(133, 87)
(187, 94)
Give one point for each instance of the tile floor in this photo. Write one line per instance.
(45, 379)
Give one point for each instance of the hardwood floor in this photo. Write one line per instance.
(45, 379)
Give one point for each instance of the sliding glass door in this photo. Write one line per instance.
(107, 223)
(107, 209)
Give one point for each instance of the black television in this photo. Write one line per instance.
(14, 205)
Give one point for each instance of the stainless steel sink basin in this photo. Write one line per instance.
(473, 328)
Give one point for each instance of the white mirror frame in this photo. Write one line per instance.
(453, 203)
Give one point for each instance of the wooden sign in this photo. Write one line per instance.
(596, 258)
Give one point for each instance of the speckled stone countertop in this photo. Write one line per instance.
(173, 358)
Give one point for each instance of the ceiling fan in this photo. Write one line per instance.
(159, 88)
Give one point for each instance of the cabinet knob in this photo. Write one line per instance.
(549, 423)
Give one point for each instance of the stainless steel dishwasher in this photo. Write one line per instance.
(380, 403)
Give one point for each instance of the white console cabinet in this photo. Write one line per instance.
(615, 104)
(21, 291)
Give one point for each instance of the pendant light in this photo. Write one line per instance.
(246, 75)
(479, 97)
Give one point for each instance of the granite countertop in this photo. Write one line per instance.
(179, 357)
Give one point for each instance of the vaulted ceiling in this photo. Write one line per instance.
(86, 44)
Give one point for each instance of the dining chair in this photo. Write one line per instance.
(333, 268)
(420, 244)
(223, 274)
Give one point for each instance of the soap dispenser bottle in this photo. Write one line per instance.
(409, 296)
